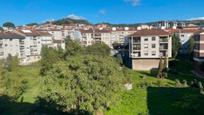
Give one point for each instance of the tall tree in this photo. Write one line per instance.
(9, 25)
(87, 83)
(72, 48)
(99, 49)
(191, 44)
(176, 45)
(11, 63)
(49, 56)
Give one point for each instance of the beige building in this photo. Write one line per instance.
(10, 44)
(199, 47)
(146, 47)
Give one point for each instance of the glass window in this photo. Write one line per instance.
(153, 38)
(153, 53)
(146, 39)
(145, 45)
(153, 45)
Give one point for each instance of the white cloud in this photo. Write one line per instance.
(198, 18)
(102, 11)
(75, 17)
(133, 2)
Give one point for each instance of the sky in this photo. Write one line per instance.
(113, 11)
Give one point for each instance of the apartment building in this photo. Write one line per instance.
(146, 47)
(119, 35)
(199, 47)
(10, 44)
(103, 36)
(185, 35)
(87, 37)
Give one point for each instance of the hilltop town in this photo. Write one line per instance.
(74, 67)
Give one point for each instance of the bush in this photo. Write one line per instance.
(178, 83)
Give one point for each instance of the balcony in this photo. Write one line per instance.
(163, 39)
(163, 47)
(136, 47)
(136, 40)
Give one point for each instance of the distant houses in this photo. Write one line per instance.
(147, 43)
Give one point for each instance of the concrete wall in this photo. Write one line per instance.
(145, 64)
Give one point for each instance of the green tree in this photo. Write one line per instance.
(32, 24)
(48, 57)
(98, 49)
(9, 25)
(89, 83)
(11, 63)
(72, 48)
(160, 68)
(191, 44)
(176, 44)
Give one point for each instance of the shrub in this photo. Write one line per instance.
(178, 83)
(185, 83)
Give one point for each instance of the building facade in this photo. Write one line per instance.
(146, 47)
(199, 47)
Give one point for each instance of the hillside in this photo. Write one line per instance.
(65, 21)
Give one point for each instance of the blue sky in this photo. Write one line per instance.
(113, 11)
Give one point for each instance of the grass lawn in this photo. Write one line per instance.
(161, 97)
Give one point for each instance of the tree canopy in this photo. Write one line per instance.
(81, 83)
(176, 45)
(98, 49)
(9, 25)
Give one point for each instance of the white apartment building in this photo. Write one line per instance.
(119, 35)
(146, 47)
(185, 35)
(10, 44)
(87, 37)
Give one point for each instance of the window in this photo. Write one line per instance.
(153, 53)
(182, 35)
(145, 53)
(153, 45)
(145, 45)
(146, 39)
(153, 39)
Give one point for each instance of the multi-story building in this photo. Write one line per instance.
(146, 47)
(103, 36)
(31, 45)
(199, 47)
(185, 35)
(119, 35)
(10, 43)
(87, 37)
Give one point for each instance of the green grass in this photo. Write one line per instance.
(160, 97)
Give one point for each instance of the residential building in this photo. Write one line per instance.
(199, 47)
(87, 37)
(185, 35)
(10, 43)
(146, 47)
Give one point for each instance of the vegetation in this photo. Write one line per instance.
(70, 21)
(32, 24)
(9, 25)
(100, 49)
(162, 69)
(83, 83)
(176, 44)
(66, 83)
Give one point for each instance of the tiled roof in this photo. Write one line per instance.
(10, 35)
(151, 32)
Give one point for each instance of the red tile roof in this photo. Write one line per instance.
(151, 32)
